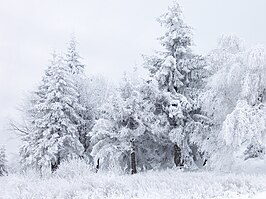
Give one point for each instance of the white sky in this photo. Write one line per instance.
(112, 36)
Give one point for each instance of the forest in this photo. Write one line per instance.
(189, 114)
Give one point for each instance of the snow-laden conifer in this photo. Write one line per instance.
(72, 58)
(179, 73)
(54, 120)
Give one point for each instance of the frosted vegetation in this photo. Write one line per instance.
(78, 180)
(194, 128)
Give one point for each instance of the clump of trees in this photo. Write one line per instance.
(60, 113)
(192, 110)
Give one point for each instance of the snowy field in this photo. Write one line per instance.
(165, 184)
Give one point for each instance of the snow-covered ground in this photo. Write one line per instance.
(154, 184)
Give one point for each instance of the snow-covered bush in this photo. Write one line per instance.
(74, 168)
(242, 136)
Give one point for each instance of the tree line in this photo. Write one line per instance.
(192, 111)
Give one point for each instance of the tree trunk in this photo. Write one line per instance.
(133, 157)
(177, 156)
(55, 165)
(205, 162)
(98, 165)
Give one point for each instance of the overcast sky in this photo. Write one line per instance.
(112, 34)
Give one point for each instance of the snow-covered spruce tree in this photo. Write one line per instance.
(3, 161)
(54, 120)
(155, 148)
(72, 58)
(76, 68)
(116, 132)
(180, 75)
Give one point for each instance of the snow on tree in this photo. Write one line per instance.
(72, 58)
(118, 128)
(76, 69)
(253, 82)
(83, 84)
(180, 75)
(3, 161)
(226, 66)
(229, 46)
(253, 94)
(94, 91)
(235, 98)
(242, 136)
(131, 133)
(54, 120)
(155, 149)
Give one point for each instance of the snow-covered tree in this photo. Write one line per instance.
(86, 94)
(54, 120)
(229, 49)
(94, 91)
(3, 161)
(73, 58)
(76, 69)
(226, 66)
(180, 74)
(246, 125)
(253, 82)
(127, 134)
(242, 136)
(235, 99)
(115, 133)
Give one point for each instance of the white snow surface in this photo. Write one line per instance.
(168, 184)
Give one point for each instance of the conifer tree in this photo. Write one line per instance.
(73, 58)
(54, 120)
(180, 75)
(76, 69)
